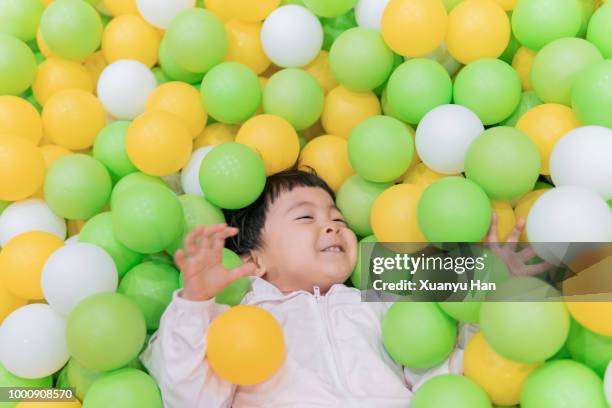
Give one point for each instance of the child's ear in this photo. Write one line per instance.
(252, 257)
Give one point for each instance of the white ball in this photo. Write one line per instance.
(583, 157)
(190, 176)
(369, 13)
(30, 215)
(160, 12)
(608, 383)
(77, 271)
(33, 341)
(444, 135)
(72, 240)
(291, 36)
(124, 87)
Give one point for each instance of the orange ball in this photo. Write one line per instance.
(56, 74)
(344, 109)
(18, 117)
(327, 155)
(22, 168)
(130, 37)
(245, 345)
(244, 45)
(394, 214)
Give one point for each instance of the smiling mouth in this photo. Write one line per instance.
(333, 249)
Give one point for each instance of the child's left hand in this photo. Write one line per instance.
(517, 262)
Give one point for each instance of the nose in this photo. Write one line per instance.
(332, 228)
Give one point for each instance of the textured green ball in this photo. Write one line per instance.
(17, 66)
(450, 390)
(592, 95)
(125, 388)
(326, 8)
(109, 149)
(172, 69)
(20, 18)
(599, 32)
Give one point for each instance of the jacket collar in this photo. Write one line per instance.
(261, 288)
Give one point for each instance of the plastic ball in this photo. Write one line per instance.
(528, 100)
(56, 74)
(74, 272)
(7, 379)
(450, 390)
(8, 303)
(231, 92)
(109, 149)
(125, 388)
(71, 28)
(161, 12)
(29, 215)
(355, 200)
(72, 119)
(523, 207)
(380, 149)
(328, 156)
(120, 7)
(394, 214)
(462, 311)
(454, 209)
(120, 328)
(124, 87)
(245, 45)
(369, 13)
(344, 109)
(324, 8)
(503, 161)
(22, 168)
(333, 27)
(70, 404)
(422, 176)
(77, 187)
(593, 316)
(33, 342)
(522, 62)
(245, 345)
(20, 18)
(247, 10)
(173, 70)
(196, 40)
(589, 348)
(182, 100)
(600, 30)
(20, 118)
(214, 134)
(130, 37)
(490, 88)
(151, 285)
(18, 67)
(95, 64)
(563, 382)
(190, 175)
(360, 59)
(558, 65)
(130, 181)
(148, 231)
(592, 95)
(294, 95)
(414, 28)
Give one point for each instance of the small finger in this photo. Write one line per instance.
(492, 234)
(179, 258)
(538, 268)
(526, 253)
(219, 240)
(192, 241)
(514, 236)
(247, 269)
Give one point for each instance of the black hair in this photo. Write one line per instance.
(251, 219)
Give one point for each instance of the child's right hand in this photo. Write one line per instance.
(200, 262)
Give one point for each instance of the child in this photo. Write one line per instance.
(299, 251)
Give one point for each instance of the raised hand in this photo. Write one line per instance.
(200, 262)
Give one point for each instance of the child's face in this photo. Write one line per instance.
(306, 242)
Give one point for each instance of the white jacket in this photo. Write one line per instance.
(334, 354)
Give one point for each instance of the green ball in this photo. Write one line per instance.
(592, 95)
(364, 251)
(333, 27)
(380, 149)
(172, 69)
(77, 187)
(17, 66)
(528, 100)
(463, 311)
(109, 149)
(20, 18)
(72, 29)
(418, 86)
(418, 335)
(196, 40)
(160, 76)
(147, 218)
(232, 164)
(563, 383)
(450, 390)
(511, 49)
(326, 8)
(99, 231)
(536, 23)
(125, 388)
(454, 209)
(504, 161)
(231, 92)
(150, 285)
(355, 199)
(599, 32)
(119, 328)
(589, 348)
(295, 95)
(557, 66)
(130, 181)
(360, 60)
(490, 88)
(196, 211)
(80, 378)
(9, 380)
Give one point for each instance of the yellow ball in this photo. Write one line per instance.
(51, 154)
(22, 168)
(344, 109)
(321, 70)
(477, 29)
(522, 63)
(66, 404)
(327, 155)
(249, 10)
(184, 101)
(218, 8)
(423, 176)
(158, 143)
(56, 74)
(244, 45)
(18, 117)
(72, 119)
(545, 125)
(42, 45)
(214, 134)
(502, 379)
(414, 28)
(22, 261)
(595, 316)
(121, 7)
(274, 138)
(95, 64)
(130, 37)
(394, 214)
(522, 208)
(505, 218)
(8, 302)
(507, 4)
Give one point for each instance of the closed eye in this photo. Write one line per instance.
(304, 217)
(340, 220)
